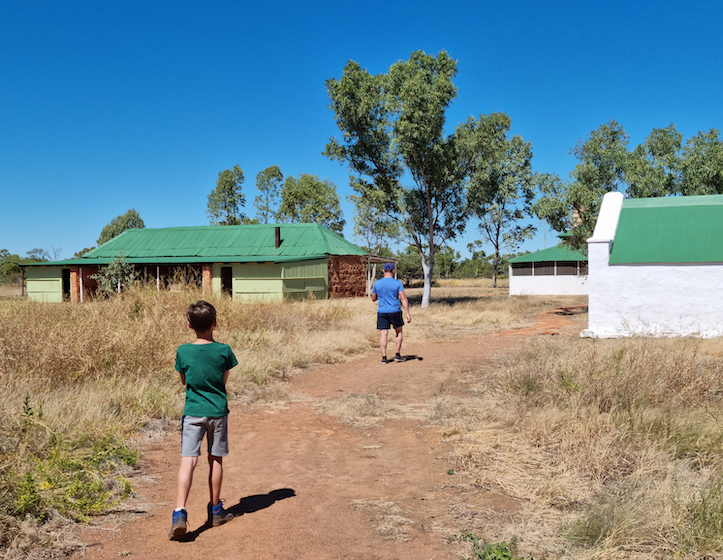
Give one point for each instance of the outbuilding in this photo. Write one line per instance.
(551, 272)
(248, 262)
(656, 267)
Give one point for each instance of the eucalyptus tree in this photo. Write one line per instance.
(701, 168)
(308, 199)
(375, 228)
(654, 167)
(662, 165)
(572, 206)
(129, 220)
(268, 183)
(501, 194)
(227, 199)
(393, 137)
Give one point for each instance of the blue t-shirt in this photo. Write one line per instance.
(387, 290)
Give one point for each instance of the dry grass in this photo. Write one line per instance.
(464, 307)
(614, 447)
(9, 290)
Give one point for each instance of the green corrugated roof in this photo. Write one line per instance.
(682, 229)
(203, 244)
(556, 253)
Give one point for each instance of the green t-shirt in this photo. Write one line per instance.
(204, 366)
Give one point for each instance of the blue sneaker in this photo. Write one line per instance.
(178, 529)
(219, 516)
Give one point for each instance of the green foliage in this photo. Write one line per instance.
(663, 165)
(268, 184)
(10, 271)
(392, 129)
(447, 262)
(481, 550)
(119, 224)
(705, 512)
(40, 469)
(38, 255)
(82, 252)
(226, 200)
(308, 200)
(371, 224)
(409, 267)
(501, 194)
(115, 276)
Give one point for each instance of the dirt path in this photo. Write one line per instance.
(305, 485)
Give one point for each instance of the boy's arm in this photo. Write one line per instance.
(183, 378)
(225, 376)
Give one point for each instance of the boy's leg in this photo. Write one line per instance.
(185, 479)
(215, 478)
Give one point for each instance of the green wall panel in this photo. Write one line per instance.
(45, 283)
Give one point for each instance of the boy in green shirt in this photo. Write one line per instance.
(204, 367)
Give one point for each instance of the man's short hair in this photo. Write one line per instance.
(388, 267)
(201, 316)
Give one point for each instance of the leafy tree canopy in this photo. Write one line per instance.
(501, 194)
(226, 200)
(371, 225)
(307, 199)
(662, 165)
(268, 184)
(392, 131)
(119, 224)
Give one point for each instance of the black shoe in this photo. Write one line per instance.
(178, 529)
(399, 358)
(384, 360)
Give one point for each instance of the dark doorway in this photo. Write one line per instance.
(226, 280)
(66, 284)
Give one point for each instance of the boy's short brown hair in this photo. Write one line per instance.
(201, 316)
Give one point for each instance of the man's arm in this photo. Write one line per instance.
(405, 304)
(374, 296)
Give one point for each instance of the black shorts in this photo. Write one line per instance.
(384, 320)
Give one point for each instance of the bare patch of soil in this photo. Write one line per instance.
(308, 477)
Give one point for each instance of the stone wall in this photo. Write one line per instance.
(347, 276)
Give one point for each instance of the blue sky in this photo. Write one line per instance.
(110, 106)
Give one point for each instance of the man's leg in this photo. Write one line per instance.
(400, 337)
(383, 334)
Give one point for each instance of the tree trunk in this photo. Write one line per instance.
(371, 275)
(494, 271)
(427, 284)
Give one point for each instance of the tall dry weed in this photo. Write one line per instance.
(615, 445)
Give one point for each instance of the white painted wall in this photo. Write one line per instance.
(649, 300)
(547, 285)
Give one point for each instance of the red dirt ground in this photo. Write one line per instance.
(306, 486)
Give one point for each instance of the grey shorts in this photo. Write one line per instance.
(193, 428)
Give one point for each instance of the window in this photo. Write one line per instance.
(522, 269)
(546, 268)
(567, 268)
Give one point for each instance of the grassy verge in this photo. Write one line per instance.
(614, 448)
(76, 380)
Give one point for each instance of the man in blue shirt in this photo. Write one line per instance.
(390, 293)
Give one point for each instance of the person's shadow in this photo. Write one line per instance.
(410, 357)
(249, 504)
